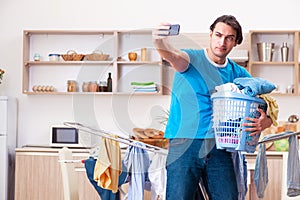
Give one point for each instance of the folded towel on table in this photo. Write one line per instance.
(254, 86)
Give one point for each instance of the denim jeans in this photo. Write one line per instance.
(191, 159)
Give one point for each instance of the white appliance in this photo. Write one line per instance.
(8, 142)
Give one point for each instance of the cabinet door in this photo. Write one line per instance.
(38, 176)
(273, 190)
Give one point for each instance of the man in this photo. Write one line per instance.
(192, 152)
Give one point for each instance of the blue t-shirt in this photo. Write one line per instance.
(191, 107)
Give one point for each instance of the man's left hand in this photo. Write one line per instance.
(257, 125)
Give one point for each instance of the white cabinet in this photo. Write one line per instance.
(115, 43)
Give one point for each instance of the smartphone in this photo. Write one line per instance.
(174, 30)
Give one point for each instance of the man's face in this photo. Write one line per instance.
(222, 40)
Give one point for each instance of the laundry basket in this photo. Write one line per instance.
(229, 112)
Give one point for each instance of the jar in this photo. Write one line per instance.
(102, 86)
(37, 57)
(85, 87)
(54, 57)
(93, 86)
(72, 86)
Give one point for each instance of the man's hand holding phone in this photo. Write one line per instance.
(165, 29)
(173, 30)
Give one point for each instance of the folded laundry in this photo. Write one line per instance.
(145, 90)
(142, 83)
(144, 86)
(254, 86)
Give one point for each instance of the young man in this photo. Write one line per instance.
(192, 151)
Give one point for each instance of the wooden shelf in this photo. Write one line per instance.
(274, 69)
(271, 63)
(116, 43)
(30, 63)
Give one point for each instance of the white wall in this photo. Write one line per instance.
(38, 112)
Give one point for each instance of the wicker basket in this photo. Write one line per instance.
(96, 56)
(71, 55)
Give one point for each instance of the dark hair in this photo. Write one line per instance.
(230, 21)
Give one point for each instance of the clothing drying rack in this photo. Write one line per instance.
(127, 141)
(278, 136)
(108, 135)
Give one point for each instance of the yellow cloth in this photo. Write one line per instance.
(273, 109)
(108, 165)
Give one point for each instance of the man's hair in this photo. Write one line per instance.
(230, 21)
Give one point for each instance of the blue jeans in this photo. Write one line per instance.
(191, 159)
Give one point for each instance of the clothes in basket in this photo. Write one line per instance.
(229, 112)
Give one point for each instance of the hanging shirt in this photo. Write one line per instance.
(109, 165)
(137, 163)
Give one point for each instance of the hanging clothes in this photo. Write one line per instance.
(261, 178)
(109, 165)
(137, 163)
(158, 177)
(293, 168)
(240, 170)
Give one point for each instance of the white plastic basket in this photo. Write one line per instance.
(229, 112)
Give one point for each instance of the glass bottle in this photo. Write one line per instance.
(109, 83)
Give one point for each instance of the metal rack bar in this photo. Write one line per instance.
(279, 136)
(117, 138)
